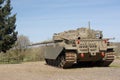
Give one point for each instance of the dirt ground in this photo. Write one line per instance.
(41, 71)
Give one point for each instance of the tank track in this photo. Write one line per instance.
(109, 58)
(105, 62)
(69, 58)
(63, 61)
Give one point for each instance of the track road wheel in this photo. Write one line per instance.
(105, 63)
(61, 61)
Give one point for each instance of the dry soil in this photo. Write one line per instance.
(41, 71)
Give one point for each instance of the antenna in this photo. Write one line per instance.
(88, 24)
(89, 31)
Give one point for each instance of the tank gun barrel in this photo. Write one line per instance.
(109, 38)
(41, 43)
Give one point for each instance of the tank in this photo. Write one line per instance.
(83, 46)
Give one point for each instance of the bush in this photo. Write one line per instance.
(17, 56)
(34, 54)
(117, 49)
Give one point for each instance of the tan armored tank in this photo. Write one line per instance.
(83, 46)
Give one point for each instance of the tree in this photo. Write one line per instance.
(22, 43)
(8, 35)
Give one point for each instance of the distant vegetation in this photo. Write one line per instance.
(117, 49)
(21, 52)
(29, 55)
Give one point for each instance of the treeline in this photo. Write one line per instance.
(117, 48)
(14, 56)
(21, 52)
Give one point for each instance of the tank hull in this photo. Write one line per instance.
(67, 57)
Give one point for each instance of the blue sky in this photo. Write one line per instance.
(40, 19)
